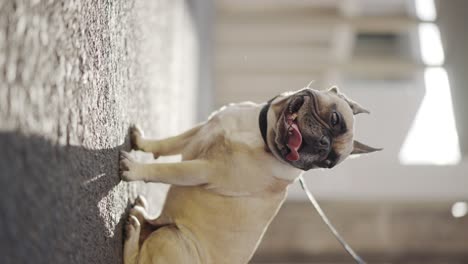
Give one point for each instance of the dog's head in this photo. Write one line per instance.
(313, 129)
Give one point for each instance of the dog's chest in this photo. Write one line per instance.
(239, 124)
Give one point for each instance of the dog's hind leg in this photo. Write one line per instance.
(139, 210)
(164, 147)
(132, 237)
(169, 245)
(147, 223)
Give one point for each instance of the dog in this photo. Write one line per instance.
(234, 175)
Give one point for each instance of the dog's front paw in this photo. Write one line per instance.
(136, 134)
(126, 167)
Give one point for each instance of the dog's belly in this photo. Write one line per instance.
(225, 229)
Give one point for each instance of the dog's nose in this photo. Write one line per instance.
(323, 147)
(324, 142)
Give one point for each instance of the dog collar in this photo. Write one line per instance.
(262, 121)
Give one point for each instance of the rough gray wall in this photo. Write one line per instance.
(73, 76)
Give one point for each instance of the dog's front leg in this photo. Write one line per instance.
(185, 173)
(164, 147)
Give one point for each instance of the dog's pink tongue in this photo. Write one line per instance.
(294, 143)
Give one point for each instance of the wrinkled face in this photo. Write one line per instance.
(311, 128)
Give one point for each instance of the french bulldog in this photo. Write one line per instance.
(234, 175)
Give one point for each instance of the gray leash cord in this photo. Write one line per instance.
(325, 219)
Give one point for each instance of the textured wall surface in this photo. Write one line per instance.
(73, 76)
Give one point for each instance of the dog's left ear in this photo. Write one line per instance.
(360, 148)
(357, 108)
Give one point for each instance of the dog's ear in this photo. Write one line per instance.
(334, 90)
(360, 148)
(357, 108)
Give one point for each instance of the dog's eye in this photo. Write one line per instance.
(335, 119)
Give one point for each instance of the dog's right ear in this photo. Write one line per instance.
(360, 148)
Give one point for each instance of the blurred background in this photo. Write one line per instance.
(404, 60)
(74, 76)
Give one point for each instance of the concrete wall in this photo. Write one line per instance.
(73, 76)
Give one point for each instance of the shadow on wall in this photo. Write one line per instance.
(50, 202)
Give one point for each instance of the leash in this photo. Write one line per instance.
(325, 219)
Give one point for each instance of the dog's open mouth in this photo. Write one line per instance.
(294, 136)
